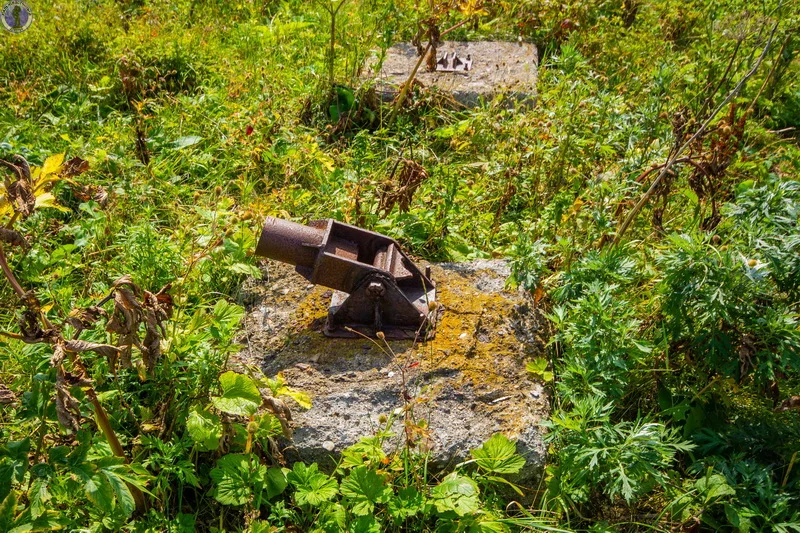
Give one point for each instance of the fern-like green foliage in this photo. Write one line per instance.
(623, 460)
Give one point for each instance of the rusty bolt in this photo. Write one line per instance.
(376, 289)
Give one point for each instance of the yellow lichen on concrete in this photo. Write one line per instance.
(475, 339)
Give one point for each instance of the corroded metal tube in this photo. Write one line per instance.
(290, 242)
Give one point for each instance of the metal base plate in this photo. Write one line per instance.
(390, 332)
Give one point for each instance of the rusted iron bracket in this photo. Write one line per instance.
(450, 62)
(377, 287)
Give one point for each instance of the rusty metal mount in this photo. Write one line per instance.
(377, 286)
(450, 62)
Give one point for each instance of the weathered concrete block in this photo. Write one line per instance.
(506, 67)
(467, 383)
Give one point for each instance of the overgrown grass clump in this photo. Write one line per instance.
(648, 200)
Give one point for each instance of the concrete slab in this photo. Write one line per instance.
(497, 67)
(467, 383)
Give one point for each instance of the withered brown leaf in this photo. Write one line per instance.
(74, 167)
(20, 191)
(152, 340)
(401, 192)
(67, 407)
(76, 380)
(79, 346)
(30, 329)
(792, 402)
(14, 238)
(82, 318)
(127, 312)
(7, 396)
(58, 355)
(281, 411)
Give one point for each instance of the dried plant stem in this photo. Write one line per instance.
(10, 275)
(410, 81)
(671, 160)
(407, 85)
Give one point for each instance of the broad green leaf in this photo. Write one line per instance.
(100, 493)
(365, 488)
(14, 456)
(7, 511)
(268, 426)
(38, 496)
(367, 450)
(538, 368)
(240, 395)
(313, 487)
(247, 270)
(714, 486)
(332, 519)
(184, 142)
(205, 429)
(744, 186)
(242, 478)
(275, 482)
(121, 491)
(737, 518)
(49, 521)
(456, 493)
(235, 476)
(227, 315)
(408, 502)
(499, 455)
(366, 524)
(7, 469)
